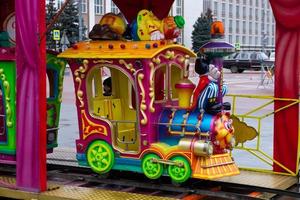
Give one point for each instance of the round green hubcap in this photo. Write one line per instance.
(152, 169)
(100, 156)
(180, 172)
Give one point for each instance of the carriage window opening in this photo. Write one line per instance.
(106, 81)
(51, 85)
(175, 76)
(160, 83)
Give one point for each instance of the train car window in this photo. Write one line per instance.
(160, 82)
(52, 83)
(176, 75)
(107, 85)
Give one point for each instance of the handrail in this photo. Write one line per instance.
(258, 152)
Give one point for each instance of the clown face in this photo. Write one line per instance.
(224, 131)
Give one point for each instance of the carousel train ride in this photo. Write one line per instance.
(148, 123)
(8, 75)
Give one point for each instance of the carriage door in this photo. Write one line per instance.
(112, 97)
(52, 107)
(126, 134)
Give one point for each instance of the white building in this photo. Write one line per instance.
(248, 22)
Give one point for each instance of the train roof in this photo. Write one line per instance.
(122, 49)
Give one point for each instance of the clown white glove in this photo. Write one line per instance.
(157, 35)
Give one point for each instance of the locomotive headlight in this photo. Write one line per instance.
(198, 147)
(202, 148)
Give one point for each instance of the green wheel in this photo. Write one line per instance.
(179, 174)
(152, 170)
(100, 156)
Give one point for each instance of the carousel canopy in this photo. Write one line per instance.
(130, 8)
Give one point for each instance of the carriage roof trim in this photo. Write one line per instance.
(121, 49)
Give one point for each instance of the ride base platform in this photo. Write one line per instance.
(67, 157)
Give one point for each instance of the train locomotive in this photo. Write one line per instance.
(147, 123)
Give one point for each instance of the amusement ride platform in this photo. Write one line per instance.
(72, 190)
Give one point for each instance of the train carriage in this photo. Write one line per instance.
(141, 126)
(55, 74)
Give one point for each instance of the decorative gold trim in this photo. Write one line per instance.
(103, 61)
(80, 74)
(156, 60)
(181, 59)
(6, 86)
(89, 127)
(151, 89)
(169, 55)
(128, 66)
(143, 105)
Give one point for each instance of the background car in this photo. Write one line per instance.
(272, 56)
(247, 61)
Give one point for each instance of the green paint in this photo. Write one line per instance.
(152, 170)
(8, 82)
(100, 156)
(53, 113)
(179, 174)
(9, 74)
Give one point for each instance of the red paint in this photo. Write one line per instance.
(42, 98)
(286, 122)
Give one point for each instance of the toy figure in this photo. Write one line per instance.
(107, 87)
(206, 91)
(110, 27)
(149, 27)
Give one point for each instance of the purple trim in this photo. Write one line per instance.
(217, 44)
(7, 159)
(7, 54)
(185, 85)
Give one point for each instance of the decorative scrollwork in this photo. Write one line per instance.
(80, 74)
(143, 105)
(103, 62)
(89, 127)
(151, 89)
(128, 66)
(180, 58)
(156, 60)
(6, 86)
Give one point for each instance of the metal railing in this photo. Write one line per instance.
(257, 151)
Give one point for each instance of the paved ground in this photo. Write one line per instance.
(244, 83)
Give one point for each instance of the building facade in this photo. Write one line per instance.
(248, 22)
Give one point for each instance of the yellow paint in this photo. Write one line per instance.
(215, 166)
(242, 132)
(143, 105)
(257, 151)
(90, 128)
(133, 49)
(115, 109)
(164, 148)
(147, 23)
